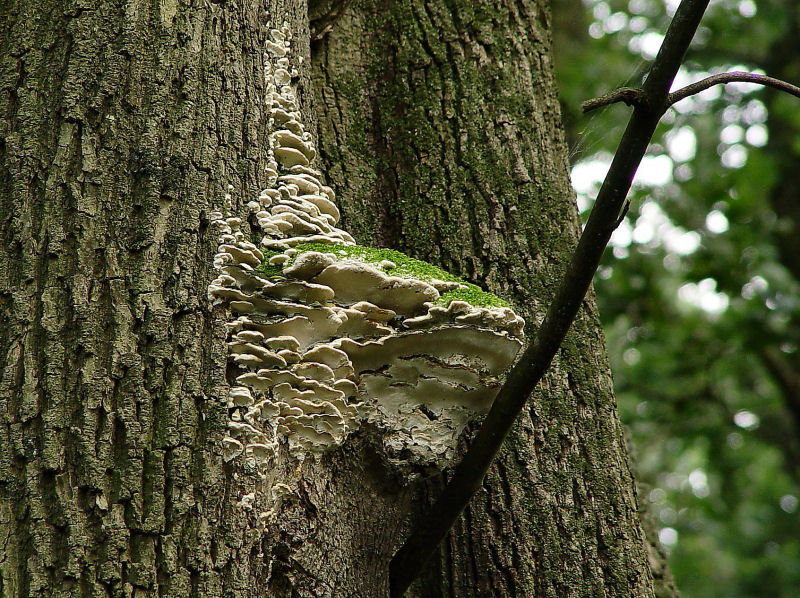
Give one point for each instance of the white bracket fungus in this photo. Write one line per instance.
(326, 337)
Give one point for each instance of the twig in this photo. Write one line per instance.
(732, 77)
(622, 215)
(634, 97)
(630, 95)
(536, 359)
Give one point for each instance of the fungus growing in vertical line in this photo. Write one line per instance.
(326, 336)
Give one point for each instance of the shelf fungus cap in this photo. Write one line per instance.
(355, 281)
(309, 264)
(231, 448)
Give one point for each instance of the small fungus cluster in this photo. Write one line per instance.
(326, 337)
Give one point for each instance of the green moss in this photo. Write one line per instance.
(404, 267)
(266, 270)
(473, 295)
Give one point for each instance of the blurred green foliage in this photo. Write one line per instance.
(700, 291)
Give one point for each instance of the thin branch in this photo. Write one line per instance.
(537, 357)
(634, 97)
(732, 77)
(622, 215)
(630, 95)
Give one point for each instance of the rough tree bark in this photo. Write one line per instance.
(123, 125)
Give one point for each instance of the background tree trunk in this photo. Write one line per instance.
(123, 125)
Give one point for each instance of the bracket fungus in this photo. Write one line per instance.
(326, 337)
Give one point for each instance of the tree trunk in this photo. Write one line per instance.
(123, 126)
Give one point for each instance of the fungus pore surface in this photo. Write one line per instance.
(327, 338)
